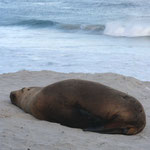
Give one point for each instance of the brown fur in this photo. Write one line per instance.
(83, 104)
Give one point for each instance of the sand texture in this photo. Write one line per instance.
(21, 131)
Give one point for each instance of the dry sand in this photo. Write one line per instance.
(21, 131)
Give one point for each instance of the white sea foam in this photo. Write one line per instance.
(127, 29)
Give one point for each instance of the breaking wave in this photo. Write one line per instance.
(111, 29)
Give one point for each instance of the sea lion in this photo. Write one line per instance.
(83, 104)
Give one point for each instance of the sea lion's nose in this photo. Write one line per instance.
(13, 97)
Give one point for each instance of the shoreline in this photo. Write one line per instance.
(90, 73)
(20, 130)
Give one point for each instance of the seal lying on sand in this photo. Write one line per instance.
(83, 104)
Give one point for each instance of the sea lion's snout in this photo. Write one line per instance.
(13, 97)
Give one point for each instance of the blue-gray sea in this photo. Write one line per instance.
(91, 36)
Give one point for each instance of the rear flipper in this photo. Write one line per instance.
(107, 130)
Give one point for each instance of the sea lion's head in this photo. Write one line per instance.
(17, 96)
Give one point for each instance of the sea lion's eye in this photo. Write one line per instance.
(22, 89)
(28, 89)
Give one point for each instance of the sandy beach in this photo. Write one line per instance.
(21, 131)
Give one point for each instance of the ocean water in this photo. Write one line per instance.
(91, 36)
